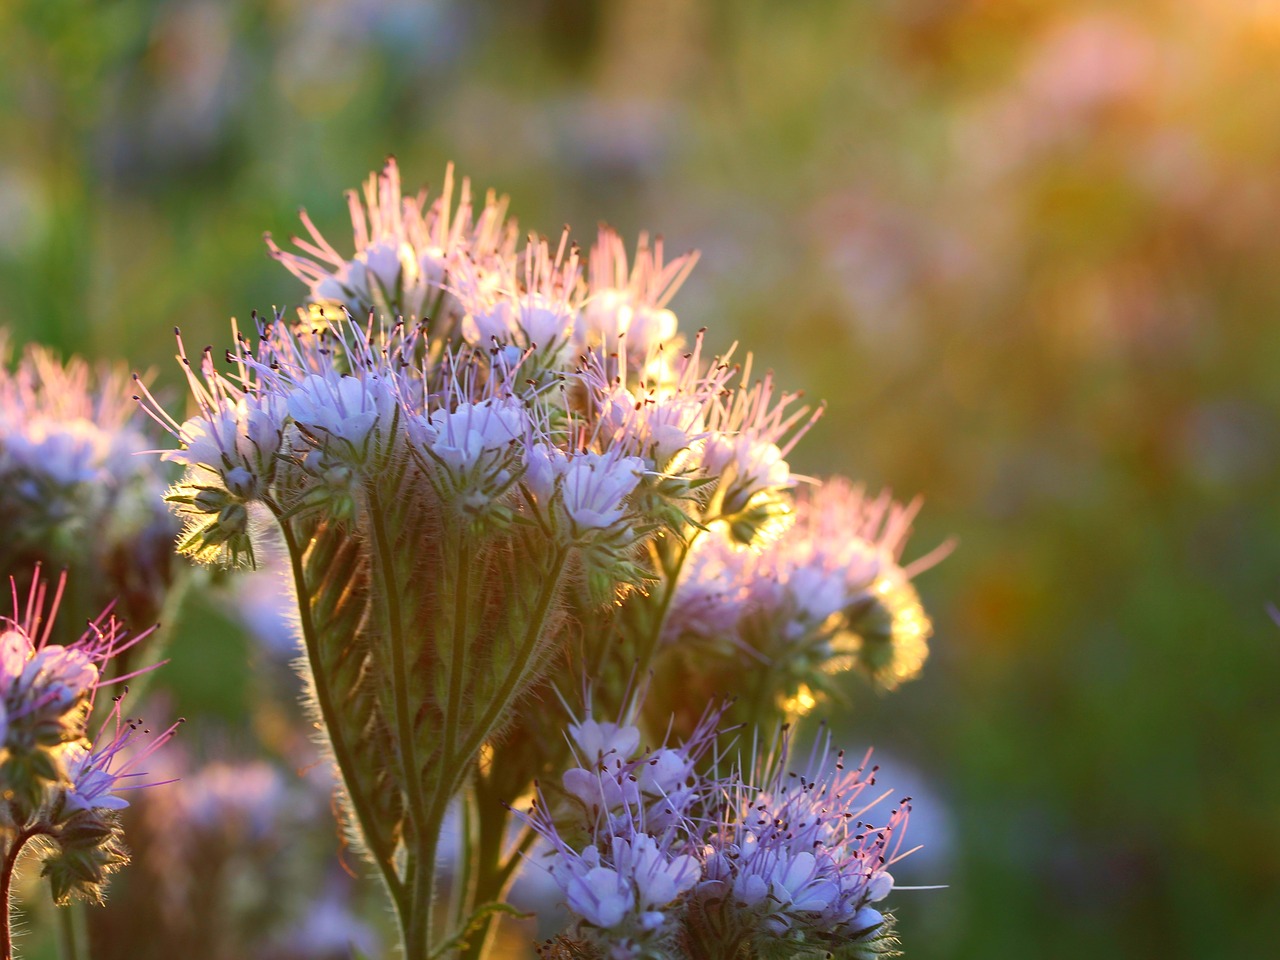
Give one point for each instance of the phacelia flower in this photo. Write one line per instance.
(796, 859)
(740, 865)
(483, 460)
(827, 595)
(56, 781)
(626, 309)
(635, 809)
(405, 250)
(74, 495)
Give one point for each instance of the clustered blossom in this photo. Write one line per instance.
(58, 781)
(656, 858)
(529, 393)
(489, 460)
(622, 846)
(404, 248)
(797, 859)
(828, 594)
(73, 493)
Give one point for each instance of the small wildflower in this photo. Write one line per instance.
(747, 864)
(639, 858)
(405, 250)
(56, 782)
(626, 310)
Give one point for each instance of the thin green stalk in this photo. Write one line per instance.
(492, 874)
(492, 886)
(329, 714)
(73, 932)
(672, 571)
(470, 863)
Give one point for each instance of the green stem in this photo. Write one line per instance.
(341, 749)
(672, 571)
(73, 932)
(426, 835)
(471, 861)
(493, 876)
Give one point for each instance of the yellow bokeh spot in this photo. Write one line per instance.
(799, 704)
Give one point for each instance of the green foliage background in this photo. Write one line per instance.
(1026, 249)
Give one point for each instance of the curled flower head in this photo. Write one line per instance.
(828, 595)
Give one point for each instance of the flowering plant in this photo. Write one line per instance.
(497, 470)
(60, 782)
(75, 496)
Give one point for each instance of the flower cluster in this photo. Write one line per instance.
(73, 493)
(534, 371)
(656, 858)
(57, 782)
(493, 466)
(830, 593)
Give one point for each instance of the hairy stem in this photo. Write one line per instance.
(524, 656)
(671, 579)
(6, 889)
(425, 834)
(458, 763)
(461, 610)
(342, 751)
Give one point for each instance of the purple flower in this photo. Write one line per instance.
(799, 853)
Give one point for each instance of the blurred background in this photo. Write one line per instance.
(1026, 249)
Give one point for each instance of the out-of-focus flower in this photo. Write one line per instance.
(74, 495)
(827, 595)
